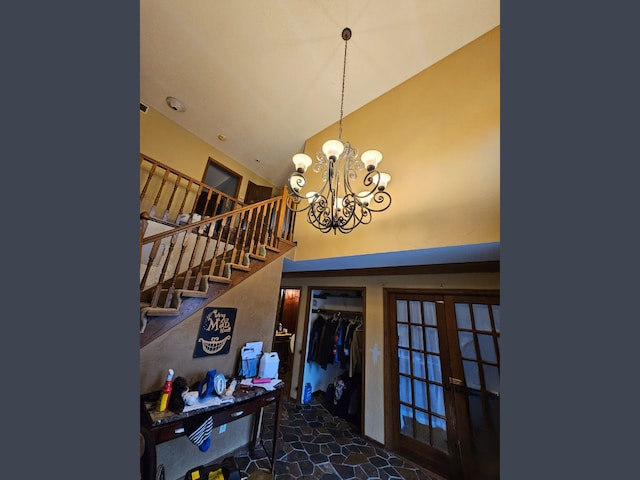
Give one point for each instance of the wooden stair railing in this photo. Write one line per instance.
(185, 261)
(166, 193)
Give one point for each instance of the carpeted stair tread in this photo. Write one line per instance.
(237, 266)
(192, 293)
(161, 312)
(219, 279)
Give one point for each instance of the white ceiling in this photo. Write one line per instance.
(267, 73)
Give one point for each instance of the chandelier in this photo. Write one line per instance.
(339, 205)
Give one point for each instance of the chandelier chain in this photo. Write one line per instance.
(344, 76)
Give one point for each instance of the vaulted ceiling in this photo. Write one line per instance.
(267, 74)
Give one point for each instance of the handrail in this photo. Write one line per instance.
(206, 221)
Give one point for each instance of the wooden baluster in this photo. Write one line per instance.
(220, 201)
(246, 230)
(158, 289)
(288, 217)
(269, 226)
(157, 200)
(227, 255)
(206, 205)
(165, 217)
(144, 220)
(176, 271)
(277, 219)
(186, 194)
(195, 202)
(217, 257)
(252, 230)
(260, 226)
(149, 177)
(237, 221)
(189, 272)
(204, 261)
(150, 261)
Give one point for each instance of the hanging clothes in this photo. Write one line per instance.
(325, 353)
(314, 338)
(349, 328)
(357, 346)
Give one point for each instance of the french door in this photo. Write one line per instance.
(443, 376)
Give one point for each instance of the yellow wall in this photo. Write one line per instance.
(439, 133)
(169, 143)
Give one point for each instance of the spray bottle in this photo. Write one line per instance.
(166, 393)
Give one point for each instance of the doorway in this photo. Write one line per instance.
(284, 336)
(256, 193)
(333, 360)
(443, 376)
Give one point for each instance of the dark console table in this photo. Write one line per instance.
(168, 425)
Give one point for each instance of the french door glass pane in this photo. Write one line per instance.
(463, 317)
(403, 335)
(471, 375)
(404, 365)
(434, 368)
(491, 378)
(416, 338)
(439, 433)
(487, 348)
(406, 420)
(496, 316)
(419, 369)
(436, 399)
(481, 318)
(429, 313)
(405, 389)
(414, 312)
(422, 427)
(432, 339)
(401, 311)
(467, 347)
(420, 394)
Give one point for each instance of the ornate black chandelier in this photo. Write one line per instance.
(337, 205)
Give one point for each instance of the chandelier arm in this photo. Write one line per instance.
(380, 198)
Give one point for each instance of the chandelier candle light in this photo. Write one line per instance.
(337, 206)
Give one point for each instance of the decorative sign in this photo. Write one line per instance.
(216, 329)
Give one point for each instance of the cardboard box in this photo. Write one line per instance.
(269, 364)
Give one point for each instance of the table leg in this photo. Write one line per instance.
(276, 432)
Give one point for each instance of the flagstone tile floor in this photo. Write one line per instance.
(314, 444)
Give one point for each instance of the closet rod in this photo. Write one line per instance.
(349, 313)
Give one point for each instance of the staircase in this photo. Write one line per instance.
(185, 261)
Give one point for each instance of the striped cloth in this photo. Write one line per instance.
(201, 435)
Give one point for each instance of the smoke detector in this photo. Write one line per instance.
(175, 104)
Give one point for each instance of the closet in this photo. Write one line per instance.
(335, 350)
